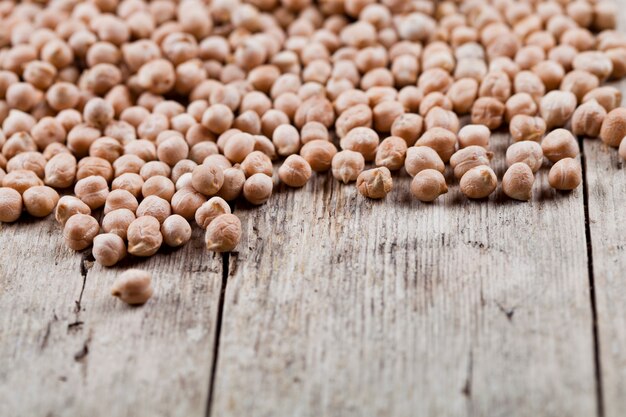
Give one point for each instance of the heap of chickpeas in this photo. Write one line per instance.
(148, 116)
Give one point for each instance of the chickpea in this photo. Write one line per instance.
(579, 82)
(129, 181)
(559, 144)
(313, 131)
(32, 161)
(144, 236)
(186, 202)
(528, 152)
(234, 178)
(524, 127)
(488, 111)
(520, 103)
(408, 127)
(22, 96)
(17, 143)
(614, 127)
(478, 182)
(134, 287)
(496, 84)
(587, 119)
(154, 206)
(257, 162)
(607, 97)
(108, 249)
(462, 95)
(375, 183)
(363, 140)
(238, 146)
(11, 204)
(557, 107)
(92, 190)
(386, 113)
(391, 153)
(117, 221)
(286, 139)
(172, 150)
(258, 188)
(92, 165)
(40, 201)
(176, 231)
(207, 179)
(98, 112)
(441, 140)
(518, 181)
(467, 158)
(622, 149)
(566, 174)
(218, 160)
(208, 211)
(428, 184)
(118, 199)
(224, 233)
(319, 154)
(80, 230)
(357, 116)
(67, 206)
(21, 180)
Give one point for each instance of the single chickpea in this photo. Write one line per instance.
(614, 127)
(234, 178)
(21, 180)
(98, 112)
(133, 286)
(154, 168)
(208, 211)
(117, 221)
(67, 206)
(154, 206)
(319, 154)
(207, 179)
(587, 119)
(176, 231)
(286, 139)
(92, 165)
(62, 96)
(129, 181)
(478, 182)
(579, 82)
(419, 158)
(40, 201)
(11, 205)
(118, 199)
(462, 95)
(496, 84)
(312, 131)
(474, 135)
(347, 165)
(518, 181)
(551, 73)
(257, 162)
(144, 236)
(186, 202)
(467, 158)
(559, 144)
(18, 143)
(441, 140)
(386, 113)
(106, 148)
(608, 97)
(566, 174)
(375, 183)
(439, 117)
(93, 191)
(524, 127)
(108, 249)
(428, 184)
(356, 116)
(217, 160)
(80, 230)
(32, 161)
(520, 103)
(172, 150)
(363, 140)
(238, 146)
(258, 189)
(80, 139)
(594, 62)
(224, 233)
(157, 76)
(160, 186)
(22, 96)
(557, 107)
(488, 111)
(391, 153)
(528, 152)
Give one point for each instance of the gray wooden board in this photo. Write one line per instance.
(340, 306)
(606, 181)
(105, 358)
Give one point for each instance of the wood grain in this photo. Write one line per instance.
(341, 306)
(105, 358)
(606, 184)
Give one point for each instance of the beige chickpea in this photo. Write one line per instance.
(495, 84)
(129, 181)
(40, 201)
(439, 117)
(257, 162)
(608, 97)
(238, 146)
(557, 107)
(614, 127)
(106, 148)
(21, 180)
(354, 117)
(172, 150)
(117, 222)
(518, 181)
(478, 182)
(157, 76)
(234, 178)
(133, 286)
(258, 188)
(474, 135)
(154, 168)
(419, 158)
(207, 179)
(286, 139)
(67, 206)
(363, 140)
(579, 82)
(594, 62)
(462, 95)
(313, 131)
(22, 96)
(53, 150)
(176, 231)
(295, 171)
(200, 151)
(528, 152)
(11, 205)
(217, 160)
(488, 111)
(186, 202)
(80, 139)
(319, 154)
(272, 119)
(551, 73)
(211, 209)
(347, 165)
(391, 153)
(144, 236)
(17, 121)
(80, 230)
(622, 149)
(564, 55)
(92, 165)
(428, 184)
(587, 119)
(434, 79)
(385, 113)
(108, 249)
(375, 183)
(566, 174)
(520, 103)
(18, 143)
(441, 140)
(160, 186)
(32, 161)
(408, 127)
(154, 206)
(62, 96)
(467, 158)
(93, 191)
(98, 112)
(524, 127)
(224, 233)
(559, 144)
(118, 199)
(48, 130)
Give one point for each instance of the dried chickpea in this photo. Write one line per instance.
(557, 107)
(408, 127)
(363, 140)
(587, 119)
(375, 183)
(622, 149)
(528, 152)
(428, 184)
(21, 180)
(474, 135)
(67, 206)
(359, 115)
(524, 127)
(520, 103)
(286, 139)
(347, 165)
(144, 236)
(608, 97)
(295, 171)
(385, 113)
(257, 162)
(92, 165)
(11, 205)
(566, 174)
(186, 202)
(238, 146)
(92, 190)
(518, 181)
(80, 230)
(129, 181)
(391, 153)
(559, 144)
(207, 179)
(441, 140)
(224, 233)
(462, 95)
(614, 127)
(40, 201)
(176, 231)
(32, 161)
(172, 150)
(579, 82)
(133, 286)
(154, 206)
(108, 249)
(467, 158)
(258, 188)
(478, 182)
(319, 154)
(208, 211)
(117, 221)
(118, 199)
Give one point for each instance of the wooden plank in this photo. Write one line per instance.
(336, 305)
(106, 359)
(606, 182)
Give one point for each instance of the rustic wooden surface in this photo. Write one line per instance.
(68, 348)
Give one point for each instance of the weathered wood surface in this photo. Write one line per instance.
(606, 183)
(340, 306)
(101, 357)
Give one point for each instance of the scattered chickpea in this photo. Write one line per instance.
(224, 233)
(92, 190)
(176, 231)
(528, 152)
(257, 162)
(108, 249)
(557, 107)
(295, 171)
(67, 206)
(523, 127)
(40, 201)
(587, 119)
(207, 179)
(375, 183)
(518, 181)
(117, 221)
(474, 135)
(319, 154)
(614, 127)
(559, 144)
(208, 211)
(478, 182)
(428, 184)
(80, 230)
(11, 205)
(21, 180)
(154, 206)
(234, 178)
(144, 236)
(566, 174)
(258, 188)
(133, 286)
(467, 158)
(186, 201)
